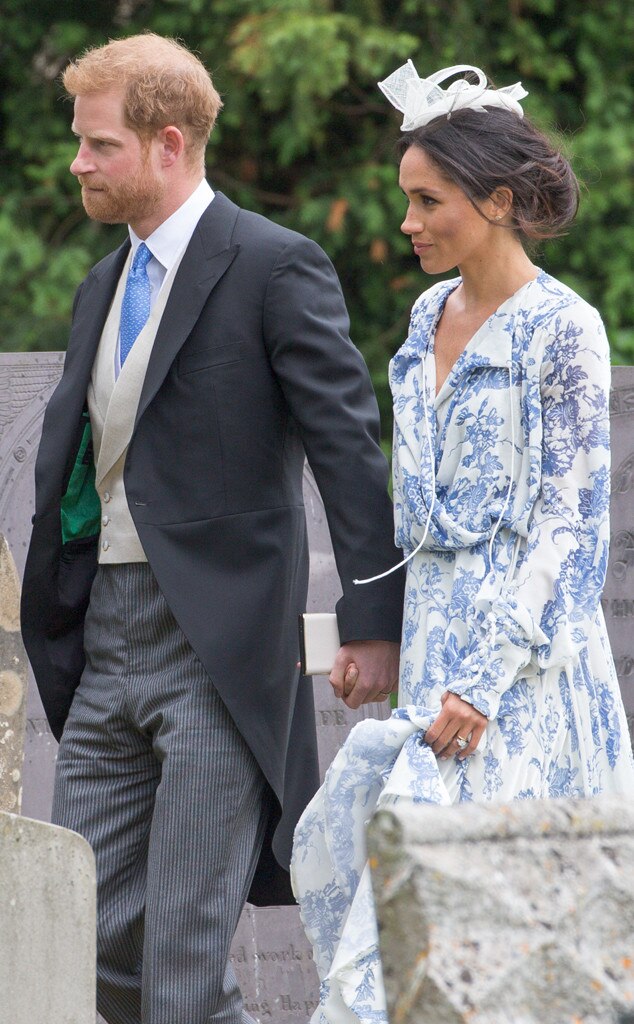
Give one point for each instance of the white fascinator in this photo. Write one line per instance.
(421, 99)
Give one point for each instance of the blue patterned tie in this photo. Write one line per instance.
(135, 308)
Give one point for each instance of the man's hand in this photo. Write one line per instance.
(365, 671)
(458, 721)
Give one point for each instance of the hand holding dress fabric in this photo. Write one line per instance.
(457, 730)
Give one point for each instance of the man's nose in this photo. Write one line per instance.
(83, 162)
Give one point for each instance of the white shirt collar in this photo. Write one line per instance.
(171, 237)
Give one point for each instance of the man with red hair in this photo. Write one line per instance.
(168, 563)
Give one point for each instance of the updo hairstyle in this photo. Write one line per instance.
(482, 151)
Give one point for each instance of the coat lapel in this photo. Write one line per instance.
(208, 256)
(66, 405)
(96, 298)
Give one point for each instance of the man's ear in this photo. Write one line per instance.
(171, 145)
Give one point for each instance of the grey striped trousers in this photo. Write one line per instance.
(153, 772)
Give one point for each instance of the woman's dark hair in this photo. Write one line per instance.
(484, 151)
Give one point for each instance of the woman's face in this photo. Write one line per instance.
(445, 229)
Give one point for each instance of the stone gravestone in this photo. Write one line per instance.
(47, 924)
(13, 681)
(26, 384)
(271, 956)
(511, 914)
(618, 595)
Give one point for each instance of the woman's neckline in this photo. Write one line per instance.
(456, 282)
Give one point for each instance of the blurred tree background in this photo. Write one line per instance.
(306, 138)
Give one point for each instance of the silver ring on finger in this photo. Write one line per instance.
(461, 743)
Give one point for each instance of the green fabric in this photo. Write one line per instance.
(81, 509)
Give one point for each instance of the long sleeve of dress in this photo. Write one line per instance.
(542, 617)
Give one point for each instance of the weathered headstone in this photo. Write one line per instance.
(271, 956)
(13, 682)
(618, 595)
(26, 382)
(274, 966)
(506, 914)
(47, 924)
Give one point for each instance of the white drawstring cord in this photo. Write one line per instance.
(510, 486)
(388, 572)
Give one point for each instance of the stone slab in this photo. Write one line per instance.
(40, 755)
(13, 684)
(618, 594)
(270, 953)
(47, 924)
(274, 966)
(506, 914)
(26, 382)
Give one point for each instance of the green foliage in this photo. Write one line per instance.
(306, 138)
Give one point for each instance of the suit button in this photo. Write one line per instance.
(105, 545)
(106, 495)
(105, 520)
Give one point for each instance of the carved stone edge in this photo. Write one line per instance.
(418, 824)
(13, 684)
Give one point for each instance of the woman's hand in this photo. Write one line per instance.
(458, 720)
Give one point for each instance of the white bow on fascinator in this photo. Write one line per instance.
(422, 99)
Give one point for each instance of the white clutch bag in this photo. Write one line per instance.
(318, 642)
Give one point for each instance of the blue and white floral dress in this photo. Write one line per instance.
(501, 481)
